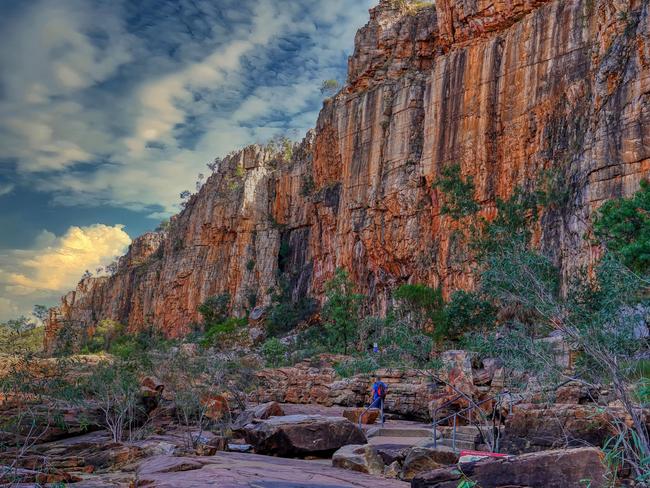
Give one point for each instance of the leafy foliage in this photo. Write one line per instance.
(215, 309)
(223, 333)
(285, 313)
(466, 311)
(329, 87)
(115, 388)
(624, 226)
(274, 352)
(422, 305)
(341, 311)
(458, 193)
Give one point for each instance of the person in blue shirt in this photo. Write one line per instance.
(379, 390)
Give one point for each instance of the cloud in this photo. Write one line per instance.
(6, 188)
(123, 103)
(55, 264)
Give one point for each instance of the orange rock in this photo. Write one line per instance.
(367, 417)
(216, 406)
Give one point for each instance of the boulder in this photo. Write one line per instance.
(302, 435)
(261, 412)
(573, 468)
(419, 459)
(367, 417)
(216, 407)
(364, 459)
(393, 470)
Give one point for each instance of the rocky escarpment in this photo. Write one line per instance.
(505, 89)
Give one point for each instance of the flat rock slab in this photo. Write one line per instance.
(236, 470)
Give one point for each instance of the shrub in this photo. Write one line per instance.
(458, 201)
(329, 87)
(215, 309)
(341, 311)
(466, 311)
(285, 313)
(624, 226)
(274, 352)
(352, 367)
(598, 314)
(422, 305)
(308, 186)
(116, 390)
(223, 333)
(20, 340)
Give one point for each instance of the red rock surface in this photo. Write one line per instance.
(232, 470)
(506, 89)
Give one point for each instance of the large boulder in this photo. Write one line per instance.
(364, 459)
(302, 435)
(573, 468)
(419, 459)
(260, 412)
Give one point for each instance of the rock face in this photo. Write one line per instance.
(234, 470)
(410, 394)
(302, 435)
(505, 89)
(549, 469)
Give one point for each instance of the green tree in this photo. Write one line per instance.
(341, 311)
(215, 309)
(467, 311)
(285, 312)
(422, 305)
(623, 224)
(274, 352)
(458, 192)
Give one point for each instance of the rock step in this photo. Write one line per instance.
(460, 437)
(460, 445)
(398, 432)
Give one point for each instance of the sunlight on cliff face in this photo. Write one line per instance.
(55, 264)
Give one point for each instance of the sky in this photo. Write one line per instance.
(109, 109)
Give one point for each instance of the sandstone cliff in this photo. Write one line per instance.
(505, 88)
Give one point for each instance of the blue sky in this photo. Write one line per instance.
(109, 109)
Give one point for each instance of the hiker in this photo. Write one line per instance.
(379, 390)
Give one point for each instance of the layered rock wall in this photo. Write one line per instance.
(506, 89)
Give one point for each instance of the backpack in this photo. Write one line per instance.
(381, 391)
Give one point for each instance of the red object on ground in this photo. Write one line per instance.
(482, 453)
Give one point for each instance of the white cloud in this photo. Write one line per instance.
(55, 264)
(6, 188)
(56, 113)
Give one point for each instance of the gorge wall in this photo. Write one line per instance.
(505, 88)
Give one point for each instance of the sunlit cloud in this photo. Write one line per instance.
(245, 72)
(56, 263)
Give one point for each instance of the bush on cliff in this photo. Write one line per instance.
(623, 225)
(341, 311)
(274, 352)
(284, 314)
(223, 333)
(215, 309)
